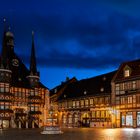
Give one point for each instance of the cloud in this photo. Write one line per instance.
(128, 7)
(88, 35)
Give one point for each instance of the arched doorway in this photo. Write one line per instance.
(85, 119)
(20, 117)
(75, 120)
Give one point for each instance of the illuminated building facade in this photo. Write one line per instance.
(126, 95)
(24, 99)
(109, 100)
(85, 103)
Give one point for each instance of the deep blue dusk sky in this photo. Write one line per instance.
(81, 38)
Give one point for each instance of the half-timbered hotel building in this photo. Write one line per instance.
(108, 100)
(23, 98)
(126, 95)
(85, 103)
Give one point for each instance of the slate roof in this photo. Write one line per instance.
(20, 73)
(135, 70)
(99, 85)
(19, 70)
(62, 85)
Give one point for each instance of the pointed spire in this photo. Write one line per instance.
(4, 59)
(33, 69)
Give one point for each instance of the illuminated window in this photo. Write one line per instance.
(106, 100)
(32, 93)
(7, 89)
(69, 118)
(86, 102)
(70, 104)
(73, 103)
(122, 100)
(64, 119)
(19, 94)
(97, 114)
(7, 106)
(82, 102)
(101, 100)
(77, 103)
(32, 108)
(1, 106)
(102, 114)
(107, 114)
(36, 92)
(117, 100)
(23, 90)
(66, 104)
(55, 90)
(104, 78)
(2, 89)
(130, 100)
(123, 120)
(16, 89)
(91, 101)
(117, 88)
(95, 100)
(134, 98)
(36, 108)
(93, 114)
(19, 89)
(59, 105)
(127, 73)
(134, 84)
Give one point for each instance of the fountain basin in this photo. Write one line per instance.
(51, 130)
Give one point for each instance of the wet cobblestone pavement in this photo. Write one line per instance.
(72, 134)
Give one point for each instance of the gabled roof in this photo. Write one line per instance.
(10, 61)
(134, 67)
(62, 85)
(20, 73)
(99, 85)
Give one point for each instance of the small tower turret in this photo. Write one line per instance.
(5, 72)
(10, 39)
(34, 75)
(5, 81)
(34, 98)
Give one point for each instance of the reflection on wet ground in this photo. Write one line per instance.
(72, 134)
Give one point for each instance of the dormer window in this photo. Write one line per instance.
(127, 73)
(55, 90)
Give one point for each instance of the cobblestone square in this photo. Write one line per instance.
(72, 134)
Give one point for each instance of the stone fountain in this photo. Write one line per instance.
(51, 126)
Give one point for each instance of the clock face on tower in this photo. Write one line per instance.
(15, 62)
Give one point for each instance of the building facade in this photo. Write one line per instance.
(126, 95)
(86, 103)
(109, 100)
(24, 100)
